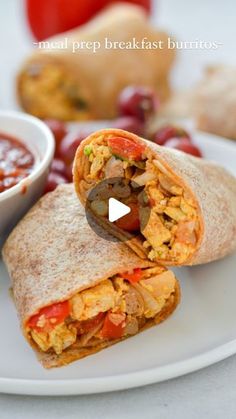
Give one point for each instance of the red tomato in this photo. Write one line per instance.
(87, 325)
(183, 144)
(130, 222)
(54, 179)
(58, 129)
(125, 148)
(49, 17)
(69, 145)
(167, 132)
(140, 102)
(113, 326)
(133, 277)
(52, 315)
(69, 173)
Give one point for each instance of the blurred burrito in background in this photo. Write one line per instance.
(59, 83)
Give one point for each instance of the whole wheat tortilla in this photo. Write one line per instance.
(98, 77)
(212, 188)
(53, 254)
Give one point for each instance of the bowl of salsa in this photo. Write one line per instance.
(26, 152)
(16, 162)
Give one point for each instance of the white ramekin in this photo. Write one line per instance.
(37, 137)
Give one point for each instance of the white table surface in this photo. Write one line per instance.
(207, 393)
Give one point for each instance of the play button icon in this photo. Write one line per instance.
(116, 210)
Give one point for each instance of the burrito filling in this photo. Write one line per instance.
(117, 307)
(172, 231)
(47, 91)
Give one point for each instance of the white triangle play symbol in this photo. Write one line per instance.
(116, 209)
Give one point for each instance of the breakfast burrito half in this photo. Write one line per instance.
(190, 202)
(75, 292)
(79, 74)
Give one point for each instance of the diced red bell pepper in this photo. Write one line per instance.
(134, 276)
(125, 148)
(113, 326)
(49, 317)
(87, 325)
(130, 222)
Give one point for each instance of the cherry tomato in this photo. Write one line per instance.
(133, 277)
(140, 102)
(113, 326)
(130, 222)
(58, 166)
(167, 132)
(58, 129)
(125, 148)
(87, 325)
(131, 124)
(69, 145)
(52, 315)
(69, 173)
(183, 144)
(49, 17)
(54, 179)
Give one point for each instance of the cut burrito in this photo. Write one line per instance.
(67, 80)
(75, 292)
(191, 201)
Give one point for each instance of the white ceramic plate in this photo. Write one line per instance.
(202, 330)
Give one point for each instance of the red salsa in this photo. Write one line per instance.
(16, 162)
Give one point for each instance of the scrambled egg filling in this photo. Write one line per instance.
(47, 92)
(89, 303)
(171, 232)
(138, 301)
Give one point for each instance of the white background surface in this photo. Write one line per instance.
(211, 392)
